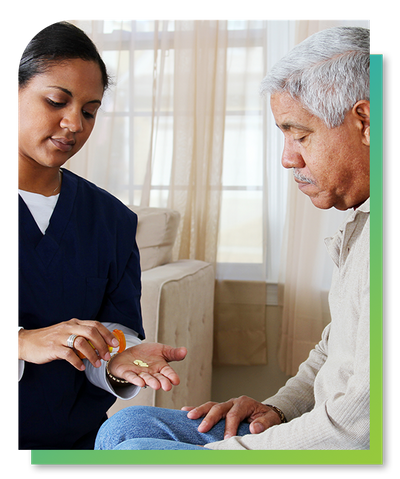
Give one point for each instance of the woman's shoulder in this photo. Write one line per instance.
(91, 195)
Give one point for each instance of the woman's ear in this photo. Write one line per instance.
(361, 111)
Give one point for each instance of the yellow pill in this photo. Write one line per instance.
(139, 362)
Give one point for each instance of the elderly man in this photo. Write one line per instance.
(320, 101)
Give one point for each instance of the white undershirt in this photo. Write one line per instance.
(41, 207)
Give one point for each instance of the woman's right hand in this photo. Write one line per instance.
(44, 345)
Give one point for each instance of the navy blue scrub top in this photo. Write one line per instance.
(85, 266)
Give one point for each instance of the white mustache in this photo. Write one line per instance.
(301, 178)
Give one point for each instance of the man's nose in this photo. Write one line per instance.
(291, 158)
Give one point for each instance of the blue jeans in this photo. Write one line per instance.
(145, 427)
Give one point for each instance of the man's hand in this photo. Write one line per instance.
(235, 411)
(158, 373)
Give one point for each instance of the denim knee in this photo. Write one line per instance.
(156, 444)
(125, 424)
(146, 422)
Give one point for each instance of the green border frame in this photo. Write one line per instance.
(371, 456)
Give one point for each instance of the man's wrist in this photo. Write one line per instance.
(279, 412)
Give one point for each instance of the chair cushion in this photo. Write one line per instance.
(156, 234)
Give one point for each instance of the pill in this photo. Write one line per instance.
(141, 363)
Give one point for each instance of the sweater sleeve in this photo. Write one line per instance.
(297, 396)
(339, 422)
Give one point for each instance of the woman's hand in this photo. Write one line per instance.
(235, 411)
(158, 373)
(44, 345)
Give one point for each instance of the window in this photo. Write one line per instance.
(253, 191)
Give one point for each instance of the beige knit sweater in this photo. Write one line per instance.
(327, 402)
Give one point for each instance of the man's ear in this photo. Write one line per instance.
(361, 111)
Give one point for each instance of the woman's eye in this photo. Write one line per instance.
(55, 103)
(86, 114)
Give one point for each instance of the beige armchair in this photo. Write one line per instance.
(177, 308)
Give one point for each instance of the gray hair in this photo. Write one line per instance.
(328, 73)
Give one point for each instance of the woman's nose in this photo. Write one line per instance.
(72, 120)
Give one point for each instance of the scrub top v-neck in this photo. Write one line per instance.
(47, 244)
(85, 266)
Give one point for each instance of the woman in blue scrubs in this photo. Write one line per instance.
(79, 270)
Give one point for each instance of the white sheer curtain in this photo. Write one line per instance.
(198, 135)
(160, 137)
(183, 126)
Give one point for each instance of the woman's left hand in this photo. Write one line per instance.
(158, 373)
